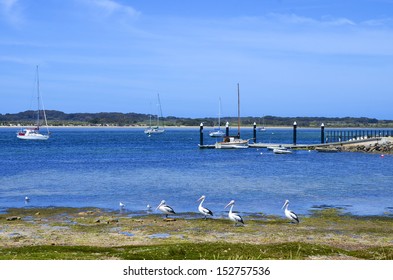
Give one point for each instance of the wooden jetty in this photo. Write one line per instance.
(330, 139)
(369, 141)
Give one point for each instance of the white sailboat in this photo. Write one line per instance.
(262, 128)
(34, 132)
(155, 129)
(218, 132)
(234, 142)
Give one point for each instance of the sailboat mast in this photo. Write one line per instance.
(40, 103)
(238, 110)
(219, 113)
(38, 98)
(159, 104)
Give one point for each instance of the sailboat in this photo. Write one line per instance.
(234, 142)
(155, 129)
(218, 132)
(262, 128)
(34, 132)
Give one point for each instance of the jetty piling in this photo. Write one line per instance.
(201, 134)
(322, 133)
(294, 133)
(255, 132)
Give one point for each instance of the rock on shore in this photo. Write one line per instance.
(382, 147)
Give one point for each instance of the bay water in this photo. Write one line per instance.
(99, 167)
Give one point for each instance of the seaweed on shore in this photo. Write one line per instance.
(91, 233)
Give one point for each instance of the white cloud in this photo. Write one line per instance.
(110, 8)
(8, 4)
(11, 12)
(297, 20)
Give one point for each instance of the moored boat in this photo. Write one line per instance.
(155, 129)
(234, 142)
(218, 132)
(282, 151)
(34, 132)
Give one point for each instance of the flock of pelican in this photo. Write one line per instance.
(233, 216)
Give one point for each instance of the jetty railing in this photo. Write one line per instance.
(355, 134)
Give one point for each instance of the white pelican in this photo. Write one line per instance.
(27, 199)
(122, 205)
(234, 216)
(202, 209)
(166, 209)
(290, 214)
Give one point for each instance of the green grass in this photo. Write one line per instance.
(94, 234)
(191, 251)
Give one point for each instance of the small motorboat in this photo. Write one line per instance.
(282, 151)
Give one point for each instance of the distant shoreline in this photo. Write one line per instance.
(195, 127)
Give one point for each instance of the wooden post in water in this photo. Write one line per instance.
(255, 132)
(227, 129)
(294, 133)
(201, 134)
(322, 133)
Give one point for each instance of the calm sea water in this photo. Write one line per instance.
(81, 167)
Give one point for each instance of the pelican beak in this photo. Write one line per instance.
(159, 206)
(286, 202)
(200, 198)
(229, 204)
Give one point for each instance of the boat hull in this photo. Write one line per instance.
(217, 134)
(232, 144)
(282, 151)
(154, 131)
(33, 137)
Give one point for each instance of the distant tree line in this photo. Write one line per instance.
(58, 118)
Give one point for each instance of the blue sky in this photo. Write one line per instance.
(291, 57)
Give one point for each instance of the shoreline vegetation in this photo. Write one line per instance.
(93, 233)
(114, 119)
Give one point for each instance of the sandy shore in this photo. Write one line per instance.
(353, 237)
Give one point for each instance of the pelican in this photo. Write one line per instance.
(290, 214)
(148, 207)
(27, 199)
(122, 205)
(202, 209)
(234, 216)
(166, 209)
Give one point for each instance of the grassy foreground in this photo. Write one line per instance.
(70, 233)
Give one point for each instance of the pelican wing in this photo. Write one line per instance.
(237, 218)
(168, 209)
(294, 216)
(240, 219)
(206, 211)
